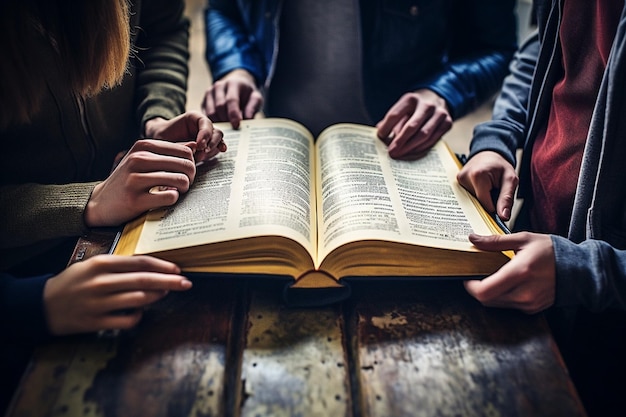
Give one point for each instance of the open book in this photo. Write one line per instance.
(278, 203)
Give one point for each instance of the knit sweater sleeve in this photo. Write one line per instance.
(36, 212)
(161, 59)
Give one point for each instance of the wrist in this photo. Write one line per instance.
(150, 127)
(434, 97)
(241, 73)
(90, 216)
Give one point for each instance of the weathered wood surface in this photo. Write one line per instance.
(173, 364)
(232, 348)
(428, 349)
(293, 361)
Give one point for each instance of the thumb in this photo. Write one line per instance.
(497, 243)
(505, 199)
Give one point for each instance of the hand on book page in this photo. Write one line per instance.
(279, 203)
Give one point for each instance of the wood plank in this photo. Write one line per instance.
(429, 349)
(294, 362)
(173, 363)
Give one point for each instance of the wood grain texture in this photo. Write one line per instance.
(294, 362)
(232, 347)
(172, 364)
(431, 350)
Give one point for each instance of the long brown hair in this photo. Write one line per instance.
(91, 39)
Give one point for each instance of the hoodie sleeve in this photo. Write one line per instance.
(591, 273)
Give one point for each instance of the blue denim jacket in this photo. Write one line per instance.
(458, 48)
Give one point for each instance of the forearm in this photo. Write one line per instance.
(591, 274)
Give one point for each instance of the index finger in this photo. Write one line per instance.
(233, 103)
(492, 291)
(119, 263)
(206, 137)
(506, 196)
(144, 281)
(396, 114)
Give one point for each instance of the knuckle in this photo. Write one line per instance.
(483, 295)
(136, 158)
(130, 321)
(182, 180)
(141, 144)
(100, 262)
(232, 99)
(411, 97)
(188, 154)
(170, 198)
(526, 299)
(142, 262)
(394, 113)
(141, 281)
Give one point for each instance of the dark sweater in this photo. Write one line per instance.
(48, 168)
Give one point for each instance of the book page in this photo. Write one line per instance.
(261, 186)
(365, 194)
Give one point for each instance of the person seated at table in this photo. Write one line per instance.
(72, 99)
(412, 66)
(79, 82)
(564, 103)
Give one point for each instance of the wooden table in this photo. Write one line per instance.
(232, 348)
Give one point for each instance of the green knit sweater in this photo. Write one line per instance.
(48, 168)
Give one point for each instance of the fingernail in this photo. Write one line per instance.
(186, 283)
(506, 213)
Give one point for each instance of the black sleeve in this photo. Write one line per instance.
(22, 315)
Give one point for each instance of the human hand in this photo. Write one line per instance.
(152, 174)
(527, 282)
(414, 124)
(189, 126)
(89, 296)
(233, 98)
(486, 171)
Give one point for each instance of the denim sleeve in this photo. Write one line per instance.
(229, 46)
(481, 47)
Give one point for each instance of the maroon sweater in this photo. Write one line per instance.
(557, 151)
